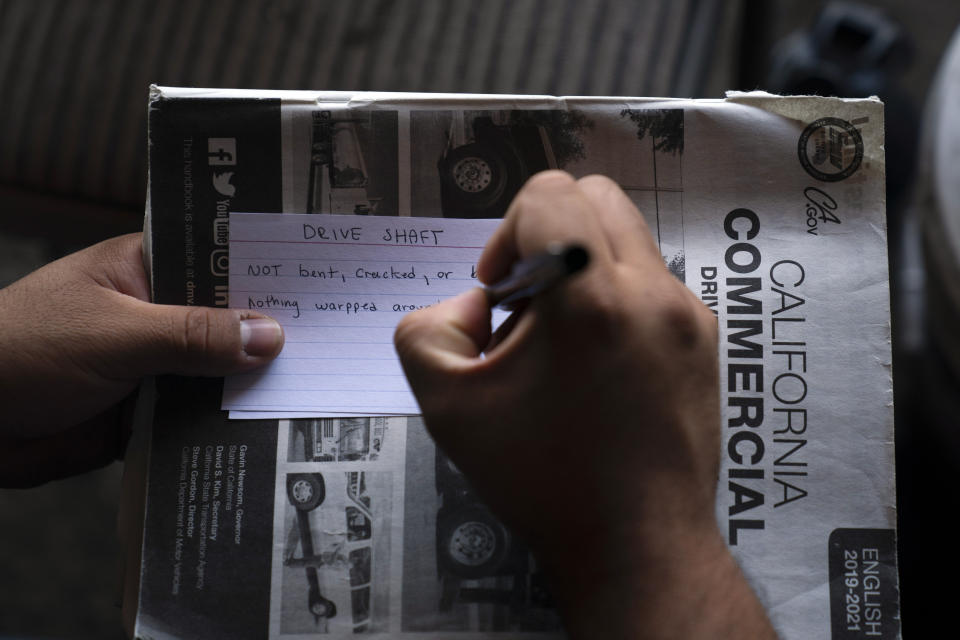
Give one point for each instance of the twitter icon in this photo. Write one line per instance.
(221, 182)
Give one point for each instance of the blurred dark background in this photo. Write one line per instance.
(73, 89)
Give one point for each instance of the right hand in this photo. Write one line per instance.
(602, 402)
(592, 427)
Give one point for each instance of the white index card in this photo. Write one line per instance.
(339, 285)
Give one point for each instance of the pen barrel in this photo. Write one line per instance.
(536, 274)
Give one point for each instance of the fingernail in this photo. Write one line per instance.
(261, 336)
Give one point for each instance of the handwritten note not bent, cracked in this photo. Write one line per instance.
(339, 285)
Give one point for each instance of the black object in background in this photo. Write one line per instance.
(854, 50)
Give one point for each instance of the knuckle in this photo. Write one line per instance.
(709, 325)
(108, 254)
(608, 193)
(681, 320)
(526, 198)
(551, 179)
(401, 334)
(545, 182)
(600, 183)
(409, 333)
(541, 187)
(121, 248)
(196, 332)
(601, 311)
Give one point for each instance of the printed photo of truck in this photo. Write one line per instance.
(463, 570)
(338, 539)
(481, 173)
(479, 560)
(351, 170)
(336, 439)
(470, 164)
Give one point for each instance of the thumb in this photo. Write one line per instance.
(443, 338)
(203, 341)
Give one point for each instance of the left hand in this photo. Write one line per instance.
(78, 335)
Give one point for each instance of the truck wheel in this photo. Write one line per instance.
(306, 490)
(323, 609)
(471, 543)
(475, 176)
(320, 607)
(449, 479)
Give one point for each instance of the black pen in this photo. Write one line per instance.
(536, 274)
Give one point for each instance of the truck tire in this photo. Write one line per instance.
(449, 479)
(471, 543)
(475, 176)
(320, 607)
(306, 491)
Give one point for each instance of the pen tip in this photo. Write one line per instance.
(575, 258)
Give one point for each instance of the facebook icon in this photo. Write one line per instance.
(221, 151)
